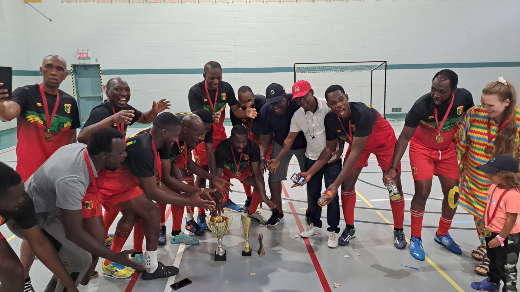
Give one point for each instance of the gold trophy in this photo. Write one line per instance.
(219, 226)
(246, 225)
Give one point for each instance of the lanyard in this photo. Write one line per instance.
(490, 138)
(209, 98)
(90, 171)
(239, 160)
(120, 127)
(48, 120)
(251, 124)
(349, 128)
(185, 153)
(439, 128)
(157, 159)
(496, 207)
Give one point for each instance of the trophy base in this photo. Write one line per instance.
(220, 258)
(246, 253)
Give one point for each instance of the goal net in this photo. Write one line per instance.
(363, 81)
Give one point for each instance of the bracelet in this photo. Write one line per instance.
(501, 240)
(395, 168)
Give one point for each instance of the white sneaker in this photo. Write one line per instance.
(258, 217)
(333, 239)
(311, 230)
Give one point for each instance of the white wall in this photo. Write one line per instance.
(252, 35)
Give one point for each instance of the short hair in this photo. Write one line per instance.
(205, 116)
(212, 65)
(447, 74)
(166, 120)
(333, 88)
(101, 140)
(244, 89)
(238, 130)
(8, 178)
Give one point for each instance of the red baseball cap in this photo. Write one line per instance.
(300, 88)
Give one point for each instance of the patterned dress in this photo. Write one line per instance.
(471, 141)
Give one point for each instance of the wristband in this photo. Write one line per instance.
(395, 168)
(501, 240)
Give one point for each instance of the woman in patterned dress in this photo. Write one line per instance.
(487, 130)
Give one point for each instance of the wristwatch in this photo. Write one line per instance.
(501, 240)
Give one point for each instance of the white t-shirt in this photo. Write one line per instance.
(313, 127)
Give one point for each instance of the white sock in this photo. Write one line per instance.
(82, 288)
(163, 224)
(189, 216)
(151, 261)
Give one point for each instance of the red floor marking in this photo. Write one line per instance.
(8, 151)
(314, 259)
(136, 275)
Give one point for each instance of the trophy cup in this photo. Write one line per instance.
(246, 224)
(219, 226)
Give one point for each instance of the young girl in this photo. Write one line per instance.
(502, 229)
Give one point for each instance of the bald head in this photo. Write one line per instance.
(54, 71)
(193, 129)
(54, 58)
(115, 81)
(212, 65)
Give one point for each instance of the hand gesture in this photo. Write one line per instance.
(216, 116)
(205, 194)
(273, 165)
(251, 113)
(263, 164)
(124, 259)
(307, 176)
(336, 155)
(123, 116)
(3, 92)
(333, 189)
(389, 174)
(221, 184)
(160, 106)
(197, 201)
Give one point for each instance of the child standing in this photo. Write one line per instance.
(502, 230)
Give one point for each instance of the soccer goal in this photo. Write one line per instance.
(363, 81)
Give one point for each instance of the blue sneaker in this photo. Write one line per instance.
(485, 286)
(232, 206)
(162, 236)
(399, 239)
(138, 258)
(346, 236)
(416, 249)
(448, 243)
(183, 238)
(194, 228)
(201, 220)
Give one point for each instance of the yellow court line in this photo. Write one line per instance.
(427, 258)
(11, 238)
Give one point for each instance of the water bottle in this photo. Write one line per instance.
(320, 200)
(394, 193)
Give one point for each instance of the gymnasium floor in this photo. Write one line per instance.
(293, 264)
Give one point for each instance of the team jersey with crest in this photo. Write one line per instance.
(252, 125)
(226, 160)
(422, 117)
(141, 157)
(105, 110)
(32, 150)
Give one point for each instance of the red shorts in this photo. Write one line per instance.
(199, 153)
(244, 173)
(427, 162)
(110, 201)
(91, 204)
(384, 155)
(1, 236)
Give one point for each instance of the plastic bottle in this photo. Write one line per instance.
(394, 193)
(320, 200)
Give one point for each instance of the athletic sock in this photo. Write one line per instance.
(247, 189)
(151, 261)
(119, 241)
(175, 232)
(108, 219)
(398, 212)
(444, 226)
(138, 236)
(417, 218)
(348, 204)
(255, 200)
(177, 212)
(83, 288)
(162, 208)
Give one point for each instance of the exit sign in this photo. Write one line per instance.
(83, 54)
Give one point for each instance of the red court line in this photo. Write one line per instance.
(8, 151)
(136, 275)
(314, 259)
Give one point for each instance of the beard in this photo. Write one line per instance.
(442, 104)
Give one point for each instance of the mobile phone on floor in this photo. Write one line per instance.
(6, 77)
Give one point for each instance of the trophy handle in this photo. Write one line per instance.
(230, 220)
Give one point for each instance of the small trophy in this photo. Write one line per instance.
(246, 224)
(261, 251)
(219, 226)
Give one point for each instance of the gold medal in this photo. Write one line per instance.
(486, 232)
(47, 136)
(238, 174)
(439, 138)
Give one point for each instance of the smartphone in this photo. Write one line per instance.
(298, 179)
(6, 77)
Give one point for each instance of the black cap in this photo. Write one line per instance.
(274, 93)
(501, 162)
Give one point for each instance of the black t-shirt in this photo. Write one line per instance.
(226, 160)
(252, 125)
(25, 217)
(280, 126)
(362, 119)
(104, 111)
(141, 157)
(198, 98)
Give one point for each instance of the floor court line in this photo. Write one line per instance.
(450, 280)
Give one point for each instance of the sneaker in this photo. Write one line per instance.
(116, 270)
(232, 206)
(162, 236)
(311, 230)
(194, 228)
(183, 238)
(333, 239)
(95, 274)
(28, 286)
(416, 249)
(448, 243)
(275, 218)
(109, 239)
(138, 258)
(201, 220)
(247, 204)
(485, 286)
(258, 217)
(346, 236)
(399, 239)
(162, 271)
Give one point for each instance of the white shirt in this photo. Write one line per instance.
(313, 127)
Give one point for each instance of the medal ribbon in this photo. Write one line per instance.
(234, 159)
(349, 127)
(209, 98)
(48, 120)
(184, 153)
(157, 158)
(439, 128)
(120, 127)
(496, 207)
(490, 138)
(90, 172)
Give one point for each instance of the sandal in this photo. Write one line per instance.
(483, 266)
(480, 253)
